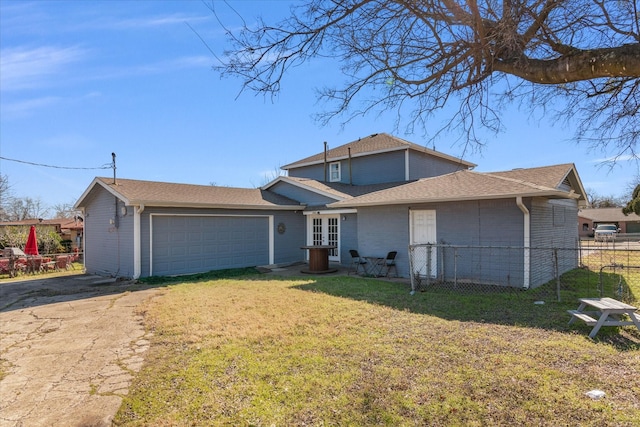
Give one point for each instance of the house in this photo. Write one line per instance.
(588, 219)
(376, 194)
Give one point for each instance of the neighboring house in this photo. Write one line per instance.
(69, 229)
(376, 194)
(588, 219)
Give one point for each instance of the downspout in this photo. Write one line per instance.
(406, 165)
(83, 211)
(137, 247)
(527, 242)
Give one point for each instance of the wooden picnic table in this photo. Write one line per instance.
(609, 312)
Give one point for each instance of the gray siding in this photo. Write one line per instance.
(288, 244)
(480, 223)
(553, 229)
(375, 169)
(108, 245)
(383, 167)
(553, 223)
(348, 237)
(486, 223)
(312, 172)
(372, 169)
(422, 165)
(501, 223)
(385, 229)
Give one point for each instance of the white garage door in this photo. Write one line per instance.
(195, 244)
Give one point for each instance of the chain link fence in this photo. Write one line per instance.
(596, 269)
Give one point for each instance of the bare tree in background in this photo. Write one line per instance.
(604, 201)
(633, 205)
(65, 210)
(573, 60)
(5, 196)
(18, 209)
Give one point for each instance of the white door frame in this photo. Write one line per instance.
(423, 229)
(324, 229)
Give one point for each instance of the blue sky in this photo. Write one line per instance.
(82, 79)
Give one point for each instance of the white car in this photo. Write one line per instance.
(605, 232)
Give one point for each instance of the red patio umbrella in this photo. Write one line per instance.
(32, 243)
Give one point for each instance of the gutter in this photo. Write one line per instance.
(527, 241)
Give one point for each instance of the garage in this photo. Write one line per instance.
(183, 244)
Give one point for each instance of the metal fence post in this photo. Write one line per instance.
(556, 272)
(455, 267)
(428, 272)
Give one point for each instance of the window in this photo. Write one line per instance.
(585, 226)
(558, 216)
(334, 172)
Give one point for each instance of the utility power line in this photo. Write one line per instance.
(106, 166)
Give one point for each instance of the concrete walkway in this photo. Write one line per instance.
(69, 347)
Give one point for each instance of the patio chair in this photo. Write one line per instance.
(4, 266)
(388, 264)
(357, 262)
(47, 264)
(34, 265)
(62, 262)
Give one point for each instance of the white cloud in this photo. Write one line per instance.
(614, 159)
(24, 108)
(157, 21)
(28, 68)
(180, 63)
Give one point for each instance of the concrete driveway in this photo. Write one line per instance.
(69, 347)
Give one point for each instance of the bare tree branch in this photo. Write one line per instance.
(582, 56)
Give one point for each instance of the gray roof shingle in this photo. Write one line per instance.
(470, 185)
(153, 193)
(549, 176)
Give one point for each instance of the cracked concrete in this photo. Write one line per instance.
(69, 347)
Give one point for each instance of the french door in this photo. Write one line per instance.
(325, 230)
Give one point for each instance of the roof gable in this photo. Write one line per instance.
(374, 144)
(334, 190)
(555, 176)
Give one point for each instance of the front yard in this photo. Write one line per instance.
(263, 350)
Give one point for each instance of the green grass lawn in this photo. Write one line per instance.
(258, 350)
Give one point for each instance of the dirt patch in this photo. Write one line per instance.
(69, 347)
